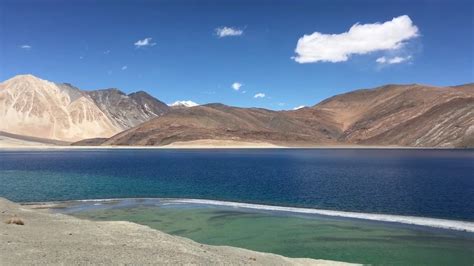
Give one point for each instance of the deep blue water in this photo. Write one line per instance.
(430, 183)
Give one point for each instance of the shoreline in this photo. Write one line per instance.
(427, 222)
(203, 147)
(205, 144)
(51, 238)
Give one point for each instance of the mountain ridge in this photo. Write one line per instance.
(390, 115)
(411, 115)
(31, 106)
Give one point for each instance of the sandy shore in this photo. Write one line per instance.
(47, 238)
(202, 145)
(6, 142)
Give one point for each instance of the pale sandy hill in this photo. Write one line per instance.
(34, 107)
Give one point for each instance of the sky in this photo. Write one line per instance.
(269, 54)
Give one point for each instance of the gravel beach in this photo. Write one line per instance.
(50, 238)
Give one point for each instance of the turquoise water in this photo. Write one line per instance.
(290, 234)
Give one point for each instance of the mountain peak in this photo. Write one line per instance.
(111, 90)
(25, 77)
(187, 103)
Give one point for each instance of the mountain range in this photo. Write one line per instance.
(393, 115)
(34, 107)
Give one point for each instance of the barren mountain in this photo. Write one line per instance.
(221, 122)
(399, 115)
(127, 111)
(34, 107)
(30, 106)
(404, 115)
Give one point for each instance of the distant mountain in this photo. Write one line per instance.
(30, 106)
(221, 122)
(392, 115)
(397, 115)
(405, 115)
(127, 111)
(184, 104)
(34, 107)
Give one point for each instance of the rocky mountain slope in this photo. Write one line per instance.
(398, 115)
(404, 115)
(31, 106)
(127, 111)
(218, 121)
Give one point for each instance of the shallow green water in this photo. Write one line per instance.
(300, 236)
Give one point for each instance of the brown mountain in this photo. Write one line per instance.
(221, 122)
(400, 115)
(404, 115)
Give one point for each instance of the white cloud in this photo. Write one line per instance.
(381, 60)
(299, 107)
(228, 31)
(259, 95)
(360, 39)
(107, 52)
(144, 42)
(236, 86)
(124, 67)
(26, 46)
(187, 103)
(392, 60)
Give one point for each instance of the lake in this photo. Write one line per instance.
(404, 183)
(429, 183)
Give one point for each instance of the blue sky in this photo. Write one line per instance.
(103, 44)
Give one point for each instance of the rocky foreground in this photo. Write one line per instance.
(47, 238)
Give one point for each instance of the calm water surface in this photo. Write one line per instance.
(429, 183)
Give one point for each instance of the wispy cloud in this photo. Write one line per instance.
(228, 31)
(259, 95)
(26, 46)
(124, 67)
(392, 60)
(144, 43)
(236, 86)
(360, 39)
(299, 107)
(107, 52)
